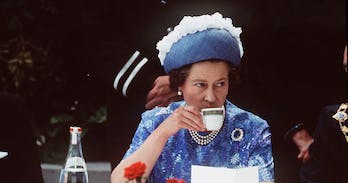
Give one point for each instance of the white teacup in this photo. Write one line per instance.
(213, 118)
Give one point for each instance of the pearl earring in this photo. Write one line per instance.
(179, 92)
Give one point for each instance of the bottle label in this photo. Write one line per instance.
(74, 139)
(75, 164)
(75, 170)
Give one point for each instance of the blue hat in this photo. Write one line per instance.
(200, 38)
(205, 45)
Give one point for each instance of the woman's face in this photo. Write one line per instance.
(206, 84)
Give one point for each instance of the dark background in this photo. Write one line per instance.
(292, 62)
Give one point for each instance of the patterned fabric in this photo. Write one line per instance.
(181, 151)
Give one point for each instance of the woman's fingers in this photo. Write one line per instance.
(191, 118)
(191, 125)
(183, 117)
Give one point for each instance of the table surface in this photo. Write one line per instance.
(98, 172)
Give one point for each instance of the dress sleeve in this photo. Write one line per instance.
(261, 155)
(146, 126)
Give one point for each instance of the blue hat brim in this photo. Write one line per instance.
(209, 44)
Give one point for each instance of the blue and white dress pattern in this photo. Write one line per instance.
(181, 151)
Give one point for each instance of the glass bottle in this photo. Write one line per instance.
(74, 170)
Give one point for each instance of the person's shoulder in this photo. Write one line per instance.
(162, 111)
(330, 115)
(330, 109)
(243, 115)
(328, 112)
(151, 119)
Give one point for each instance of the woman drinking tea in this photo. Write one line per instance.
(202, 56)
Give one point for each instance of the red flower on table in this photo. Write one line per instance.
(135, 171)
(175, 180)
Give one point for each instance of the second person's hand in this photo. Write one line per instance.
(161, 95)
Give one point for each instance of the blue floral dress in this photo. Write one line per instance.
(243, 141)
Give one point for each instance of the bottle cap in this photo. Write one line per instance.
(75, 129)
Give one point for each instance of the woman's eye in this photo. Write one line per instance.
(200, 85)
(220, 84)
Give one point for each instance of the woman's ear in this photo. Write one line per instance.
(179, 91)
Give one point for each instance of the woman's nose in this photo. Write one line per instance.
(210, 95)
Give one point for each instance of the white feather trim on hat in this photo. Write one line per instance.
(191, 25)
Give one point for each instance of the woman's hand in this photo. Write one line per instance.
(187, 117)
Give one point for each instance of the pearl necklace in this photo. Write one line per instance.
(203, 139)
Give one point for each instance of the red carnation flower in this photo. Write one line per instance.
(175, 180)
(135, 170)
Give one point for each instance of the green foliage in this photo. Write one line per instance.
(61, 118)
(100, 116)
(36, 62)
(23, 65)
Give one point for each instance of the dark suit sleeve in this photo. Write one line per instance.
(328, 152)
